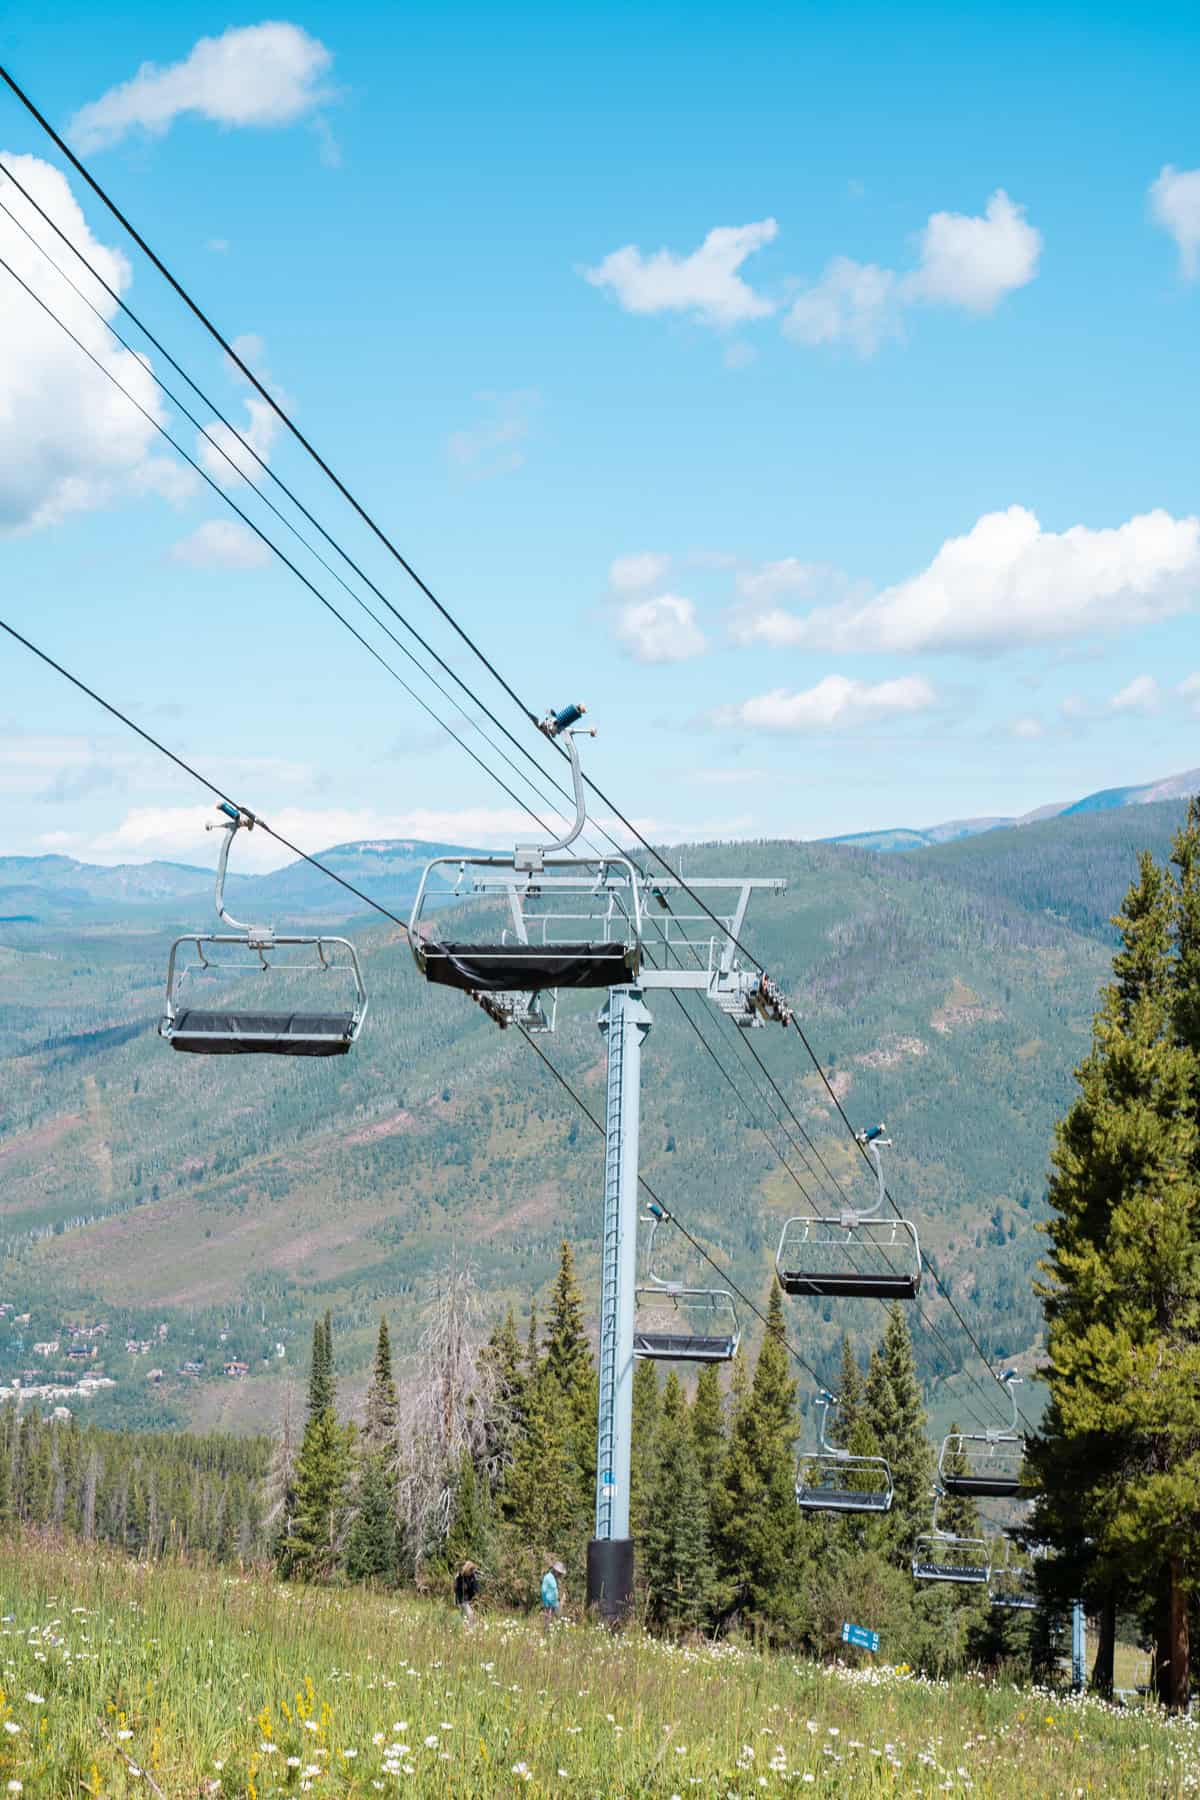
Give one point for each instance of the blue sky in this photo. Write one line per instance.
(810, 391)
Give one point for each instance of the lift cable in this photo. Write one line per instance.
(461, 632)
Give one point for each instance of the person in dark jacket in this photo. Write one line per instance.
(466, 1587)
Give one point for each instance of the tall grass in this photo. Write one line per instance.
(123, 1679)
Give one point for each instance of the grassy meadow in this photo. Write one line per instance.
(121, 1678)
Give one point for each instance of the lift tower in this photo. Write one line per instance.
(572, 920)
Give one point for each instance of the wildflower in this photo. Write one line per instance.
(10, 1725)
(36, 1699)
(347, 1754)
(293, 1762)
(125, 1733)
(16, 1787)
(431, 1741)
(522, 1771)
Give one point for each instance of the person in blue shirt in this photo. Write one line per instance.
(551, 1597)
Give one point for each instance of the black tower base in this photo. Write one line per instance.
(610, 1578)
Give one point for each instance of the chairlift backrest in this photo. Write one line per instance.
(576, 920)
(833, 1479)
(986, 1464)
(677, 1323)
(948, 1556)
(236, 1030)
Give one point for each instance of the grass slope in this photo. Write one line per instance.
(121, 1678)
(950, 992)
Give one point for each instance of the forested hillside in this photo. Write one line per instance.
(950, 991)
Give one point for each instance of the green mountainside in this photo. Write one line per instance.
(948, 991)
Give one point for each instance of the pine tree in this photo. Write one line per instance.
(845, 1417)
(321, 1380)
(379, 1428)
(470, 1531)
(895, 1415)
(312, 1548)
(759, 1540)
(708, 1425)
(567, 1357)
(677, 1557)
(505, 1422)
(644, 1457)
(372, 1552)
(1119, 1458)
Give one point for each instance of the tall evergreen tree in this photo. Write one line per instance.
(372, 1549)
(708, 1424)
(1119, 1460)
(647, 1407)
(759, 1540)
(379, 1428)
(844, 1421)
(321, 1380)
(895, 1415)
(312, 1548)
(677, 1557)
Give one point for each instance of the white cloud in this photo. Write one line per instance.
(706, 283)
(257, 435)
(1175, 204)
(1027, 727)
(662, 630)
(640, 569)
(178, 832)
(1189, 692)
(221, 544)
(973, 262)
(1142, 695)
(253, 75)
(51, 769)
(787, 576)
(834, 703)
(1008, 582)
(495, 446)
(968, 261)
(69, 441)
(853, 301)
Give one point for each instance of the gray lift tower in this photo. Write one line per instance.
(596, 921)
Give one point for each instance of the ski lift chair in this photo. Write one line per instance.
(946, 1556)
(858, 1254)
(237, 1030)
(990, 1463)
(674, 1323)
(1013, 1584)
(833, 1480)
(545, 949)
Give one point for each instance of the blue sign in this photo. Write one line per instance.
(608, 1479)
(858, 1634)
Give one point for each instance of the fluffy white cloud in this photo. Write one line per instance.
(1027, 727)
(662, 630)
(834, 703)
(968, 261)
(787, 576)
(221, 544)
(1142, 695)
(1175, 203)
(973, 262)
(1007, 582)
(252, 75)
(706, 283)
(227, 455)
(641, 569)
(853, 302)
(69, 440)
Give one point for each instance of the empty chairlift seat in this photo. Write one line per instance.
(856, 1255)
(249, 956)
(676, 1323)
(573, 921)
(833, 1479)
(949, 1556)
(986, 1465)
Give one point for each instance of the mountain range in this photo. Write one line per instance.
(903, 837)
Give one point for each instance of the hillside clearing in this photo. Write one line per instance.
(233, 1685)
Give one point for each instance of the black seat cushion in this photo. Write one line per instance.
(261, 1034)
(682, 1346)
(509, 968)
(849, 1286)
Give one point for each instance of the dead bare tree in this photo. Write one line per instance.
(446, 1411)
